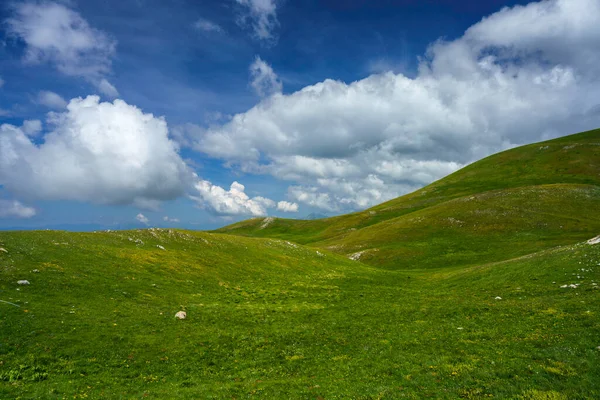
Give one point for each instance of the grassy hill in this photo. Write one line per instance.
(544, 191)
(481, 285)
(270, 319)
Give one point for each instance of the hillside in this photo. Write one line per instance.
(546, 189)
(484, 284)
(270, 319)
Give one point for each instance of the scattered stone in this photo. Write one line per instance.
(356, 256)
(181, 315)
(498, 298)
(160, 247)
(23, 282)
(266, 222)
(2, 249)
(35, 271)
(572, 286)
(595, 240)
(460, 328)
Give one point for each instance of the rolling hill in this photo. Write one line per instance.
(509, 204)
(481, 285)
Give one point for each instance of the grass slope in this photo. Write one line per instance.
(477, 286)
(270, 319)
(537, 185)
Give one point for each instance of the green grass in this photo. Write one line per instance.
(415, 316)
(267, 319)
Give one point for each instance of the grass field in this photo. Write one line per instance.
(478, 286)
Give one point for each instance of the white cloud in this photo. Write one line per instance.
(286, 206)
(14, 209)
(56, 34)
(108, 153)
(32, 127)
(312, 197)
(166, 218)
(107, 89)
(264, 80)
(142, 218)
(230, 202)
(51, 100)
(523, 74)
(205, 25)
(262, 15)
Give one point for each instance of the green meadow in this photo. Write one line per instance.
(480, 285)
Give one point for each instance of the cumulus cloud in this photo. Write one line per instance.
(142, 219)
(166, 218)
(56, 34)
(14, 209)
(32, 127)
(286, 206)
(523, 74)
(264, 80)
(205, 25)
(230, 202)
(311, 196)
(262, 16)
(100, 152)
(51, 100)
(107, 89)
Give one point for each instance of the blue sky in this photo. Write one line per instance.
(214, 111)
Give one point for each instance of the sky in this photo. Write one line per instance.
(196, 114)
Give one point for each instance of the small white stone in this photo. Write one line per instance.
(498, 298)
(595, 240)
(181, 315)
(160, 247)
(23, 282)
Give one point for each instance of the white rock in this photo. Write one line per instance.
(266, 222)
(181, 315)
(160, 247)
(356, 256)
(498, 298)
(3, 250)
(595, 240)
(35, 271)
(23, 282)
